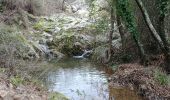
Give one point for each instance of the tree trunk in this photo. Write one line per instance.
(127, 16)
(141, 51)
(120, 28)
(63, 3)
(109, 52)
(162, 33)
(159, 37)
(149, 23)
(112, 30)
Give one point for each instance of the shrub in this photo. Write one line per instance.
(10, 37)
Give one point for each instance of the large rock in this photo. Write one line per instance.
(73, 44)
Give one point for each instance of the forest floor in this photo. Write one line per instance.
(148, 81)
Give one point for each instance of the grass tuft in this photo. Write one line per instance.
(162, 77)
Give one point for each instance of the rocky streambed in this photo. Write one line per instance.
(70, 33)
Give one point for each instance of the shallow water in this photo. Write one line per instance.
(83, 80)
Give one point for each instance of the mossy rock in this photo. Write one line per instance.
(66, 44)
(57, 96)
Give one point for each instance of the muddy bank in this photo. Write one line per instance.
(142, 79)
(12, 89)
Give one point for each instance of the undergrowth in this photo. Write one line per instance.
(162, 77)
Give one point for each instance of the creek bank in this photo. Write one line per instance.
(17, 88)
(142, 79)
(46, 36)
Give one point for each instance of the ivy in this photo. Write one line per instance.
(125, 11)
(163, 6)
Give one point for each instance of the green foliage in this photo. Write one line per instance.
(102, 25)
(125, 11)
(163, 6)
(44, 25)
(161, 77)
(17, 80)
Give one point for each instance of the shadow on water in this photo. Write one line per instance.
(83, 80)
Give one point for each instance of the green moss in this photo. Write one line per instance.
(57, 96)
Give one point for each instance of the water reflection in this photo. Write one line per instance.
(83, 80)
(122, 94)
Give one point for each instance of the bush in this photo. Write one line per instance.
(11, 37)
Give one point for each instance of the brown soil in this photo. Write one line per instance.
(28, 92)
(142, 79)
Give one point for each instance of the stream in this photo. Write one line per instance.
(81, 79)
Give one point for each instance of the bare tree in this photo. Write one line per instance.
(160, 37)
